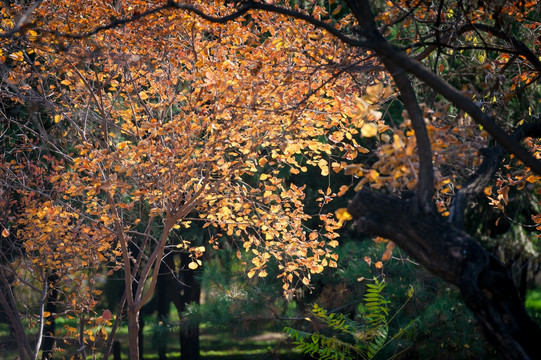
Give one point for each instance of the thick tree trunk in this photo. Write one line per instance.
(8, 303)
(50, 325)
(485, 284)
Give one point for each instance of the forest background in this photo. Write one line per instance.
(234, 159)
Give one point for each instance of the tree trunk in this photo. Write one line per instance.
(141, 335)
(486, 286)
(133, 333)
(8, 303)
(116, 350)
(167, 291)
(189, 333)
(50, 325)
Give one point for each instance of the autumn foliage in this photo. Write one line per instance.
(144, 117)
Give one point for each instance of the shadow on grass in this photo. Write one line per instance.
(216, 344)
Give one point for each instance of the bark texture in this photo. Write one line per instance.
(452, 254)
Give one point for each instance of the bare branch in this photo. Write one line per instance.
(520, 47)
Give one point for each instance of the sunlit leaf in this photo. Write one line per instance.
(369, 130)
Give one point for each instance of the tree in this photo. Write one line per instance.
(319, 60)
(157, 136)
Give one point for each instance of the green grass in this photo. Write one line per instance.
(533, 304)
(216, 344)
(533, 299)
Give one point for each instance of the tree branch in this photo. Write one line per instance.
(485, 173)
(462, 102)
(239, 12)
(253, 5)
(23, 20)
(425, 185)
(520, 47)
(453, 255)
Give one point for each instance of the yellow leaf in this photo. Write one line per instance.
(343, 215)
(65, 82)
(372, 175)
(18, 56)
(193, 265)
(410, 291)
(363, 107)
(333, 243)
(369, 130)
(262, 273)
(306, 281)
(374, 92)
(122, 145)
(378, 265)
(102, 333)
(324, 166)
(143, 95)
(32, 35)
(46, 314)
(57, 118)
(397, 142)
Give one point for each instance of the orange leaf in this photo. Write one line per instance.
(343, 190)
(388, 251)
(368, 260)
